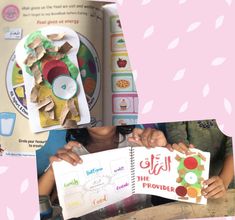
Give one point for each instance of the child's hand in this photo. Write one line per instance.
(68, 153)
(148, 137)
(215, 188)
(180, 147)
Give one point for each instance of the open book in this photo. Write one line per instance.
(110, 176)
(102, 65)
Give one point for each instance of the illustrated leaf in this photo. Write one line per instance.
(218, 61)
(173, 44)
(219, 22)
(179, 75)
(24, 186)
(10, 214)
(149, 31)
(193, 26)
(206, 90)
(145, 2)
(183, 107)
(227, 106)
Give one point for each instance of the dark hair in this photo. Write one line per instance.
(82, 135)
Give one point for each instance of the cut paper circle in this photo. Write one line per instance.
(190, 163)
(191, 178)
(192, 192)
(53, 69)
(64, 87)
(181, 191)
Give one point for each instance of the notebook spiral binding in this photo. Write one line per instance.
(132, 161)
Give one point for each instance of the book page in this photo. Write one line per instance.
(102, 179)
(83, 17)
(119, 84)
(171, 175)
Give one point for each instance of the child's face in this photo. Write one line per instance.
(102, 131)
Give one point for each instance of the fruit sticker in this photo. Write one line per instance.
(53, 86)
(190, 176)
(120, 63)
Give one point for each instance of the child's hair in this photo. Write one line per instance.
(82, 136)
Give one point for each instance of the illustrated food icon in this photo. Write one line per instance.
(190, 178)
(122, 84)
(121, 63)
(123, 105)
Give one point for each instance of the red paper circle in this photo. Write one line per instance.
(190, 163)
(181, 191)
(54, 68)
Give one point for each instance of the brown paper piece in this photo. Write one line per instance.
(65, 48)
(30, 60)
(198, 199)
(53, 49)
(34, 94)
(59, 56)
(177, 157)
(72, 107)
(179, 180)
(201, 167)
(64, 114)
(36, 42)
(40, 52)
(50, 106)
(70, 124)
(55, 37)
(44, 102)
(37, 74)
(201, 156)
(182, 171)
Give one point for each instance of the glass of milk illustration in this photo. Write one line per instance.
(7, 123)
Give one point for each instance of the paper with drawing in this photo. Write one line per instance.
(110, 176)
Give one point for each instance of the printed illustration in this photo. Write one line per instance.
(120, 63)
(7, 123)
(122, 83)
(115, 25)
(118, 43)
(54, 91)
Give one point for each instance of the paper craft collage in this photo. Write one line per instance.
(116, 110)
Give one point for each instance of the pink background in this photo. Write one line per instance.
(183, 56)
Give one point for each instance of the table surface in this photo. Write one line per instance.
(179, 210)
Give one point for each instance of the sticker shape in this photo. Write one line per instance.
(7, 123)
(13, 34)
(120, 63)
(118, 43)
(125, 119)
(115, 24)
(123, 104)
(122, 83)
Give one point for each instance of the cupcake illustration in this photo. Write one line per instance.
(123, 105)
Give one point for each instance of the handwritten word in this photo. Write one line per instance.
(161, 187)
(73, 204)
(154, 164)
(122, 186)
(142, 178)
(93, 171)
(100, 200)
(119, 169)
(74, 182)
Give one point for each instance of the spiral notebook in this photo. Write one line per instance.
(110, 176)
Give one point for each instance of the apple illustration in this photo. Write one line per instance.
(121, 63)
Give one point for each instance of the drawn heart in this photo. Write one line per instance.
(63, 87)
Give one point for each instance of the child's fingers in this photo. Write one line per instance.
(134, 140)
(183, 147)
(178, 148)
(217, 190)
(191, 146)
(54, 158)
(158, 138)
(69, 156)
(169, 147)
(210, 181)
(71, 144)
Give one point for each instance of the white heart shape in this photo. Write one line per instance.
(3, 169)
(183, 107)
(149, 31)
(218, 61)
(173, 44)
(147, 107)
(219, 22)
(206, 90)
(193, 26)
(227, 106)
(179, 75)
(24, 186)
